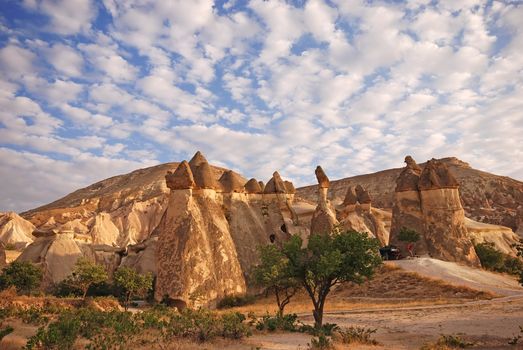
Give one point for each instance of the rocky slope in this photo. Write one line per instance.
(118, 211)
(15, 232)
(486, 197)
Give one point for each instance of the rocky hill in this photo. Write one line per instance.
(486, 197)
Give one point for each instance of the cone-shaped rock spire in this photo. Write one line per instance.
(202, 172)
(350, 198)
(231, 182)
(363, 195)
(275, 184)
(181, 179)
(252, 186)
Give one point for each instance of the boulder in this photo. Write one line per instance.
(436, 175)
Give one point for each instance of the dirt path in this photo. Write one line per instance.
(489, 324)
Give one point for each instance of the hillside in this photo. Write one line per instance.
(486, 197)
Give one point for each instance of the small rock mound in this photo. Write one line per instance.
(15, 231)
(350, 198)
(362, 195)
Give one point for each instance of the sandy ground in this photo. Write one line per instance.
(489, 325)
(461, 275)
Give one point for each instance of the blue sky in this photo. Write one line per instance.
(90, 89)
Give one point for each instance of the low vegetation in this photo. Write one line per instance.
(494, 260)
(447, 341)
(24, 276)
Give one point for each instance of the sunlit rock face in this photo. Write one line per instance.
(324, 218)
(56, 253)
(208, 237)
(15, 231)
(434, 210)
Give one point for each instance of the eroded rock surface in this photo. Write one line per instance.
(15, 231)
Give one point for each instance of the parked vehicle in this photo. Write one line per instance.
(390, 252)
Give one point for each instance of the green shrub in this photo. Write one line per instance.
(494, 260)
(447, 341)
(233, 326)
(321, 342)
(23, 275)
(356, 334)
(60, 334)
(235, 300)
(288, 323)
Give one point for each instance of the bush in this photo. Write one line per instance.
(233, 326)
(321, 342)
(231, 301)
(288, 323)
(447, 342)
(356, 334)
(60, 334)
(494, 260)
(23, 275)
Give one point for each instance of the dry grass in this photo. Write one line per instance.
(390, 287)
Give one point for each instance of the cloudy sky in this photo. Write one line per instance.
(91, 89)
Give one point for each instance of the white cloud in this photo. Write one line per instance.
(65, 60)
(66, 16)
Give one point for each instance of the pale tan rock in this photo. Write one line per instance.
(197, 259)
(142, 257)
(15, 231)
(231, 182)
(182, 178)
(253, 186)
(103, 230)
(503, 237)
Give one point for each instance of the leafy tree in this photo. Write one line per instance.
(132, 283)
(328, 260)
(273, 273)
(409, 236)
(23, 275)
(85, 274)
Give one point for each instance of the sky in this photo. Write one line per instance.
(91, 89)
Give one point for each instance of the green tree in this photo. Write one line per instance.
(489, 256)
(409, 236)
(132, 283)
(329, 260)
(85, 274)
(23, 275)
(273, 274)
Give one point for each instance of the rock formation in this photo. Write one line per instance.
(181, 179)
(15, 231)
(356, 213)
(275, 185)
(56, 252)
(253, 187)
(202, 172)
(197, 260)
(324, 218)
(231, 182)
(435, 212)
